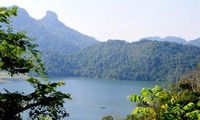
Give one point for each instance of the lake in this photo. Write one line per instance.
(91, 98)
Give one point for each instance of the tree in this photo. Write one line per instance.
(18, 55)
(180, 101)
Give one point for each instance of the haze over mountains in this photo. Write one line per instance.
(51, 34)
(68, 52)
(195, 42)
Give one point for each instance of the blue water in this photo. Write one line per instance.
(92, 98)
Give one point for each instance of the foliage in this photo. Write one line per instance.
(108, 118)
(116, 59)
(113, 117)
(19, 55)
(180, 101)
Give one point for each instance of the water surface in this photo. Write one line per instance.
(92, 98)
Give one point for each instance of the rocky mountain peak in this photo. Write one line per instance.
(52, 19)
(51, 16)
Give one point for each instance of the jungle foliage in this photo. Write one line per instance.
(116, 59)
(180, 101)
(18, 55)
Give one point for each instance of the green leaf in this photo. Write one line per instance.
(157, 88)
(145, 92)
(146, 111)
(134, 98)
(194, 115)
(198, 104)
(190, 106)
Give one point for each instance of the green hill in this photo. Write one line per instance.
(115, 59)
(68, 52)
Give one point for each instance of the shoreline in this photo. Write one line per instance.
(4, 76)
(3, 81)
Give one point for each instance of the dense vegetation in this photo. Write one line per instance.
(115, 59)
(66, 52)
(18, 55)
(143, 60)
(179, 102)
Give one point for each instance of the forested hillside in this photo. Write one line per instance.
(67, 52)
(115, 59)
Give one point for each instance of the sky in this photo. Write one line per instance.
(128, 20)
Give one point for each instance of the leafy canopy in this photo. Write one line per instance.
(180, 101)
(18, 55)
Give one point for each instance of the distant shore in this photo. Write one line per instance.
(4, 76)
(2, 80)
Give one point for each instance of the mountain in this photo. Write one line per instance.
(153, 38)
(168, 38)
(179, 40)
(195, 42)
(68, 52)
(174, 39)
(51, 34)
(116, 59)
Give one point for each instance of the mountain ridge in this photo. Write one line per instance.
(68, 52)
(195, 42)
(51, 20)
(51, 34)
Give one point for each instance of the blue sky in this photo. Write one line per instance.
(121, 19)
